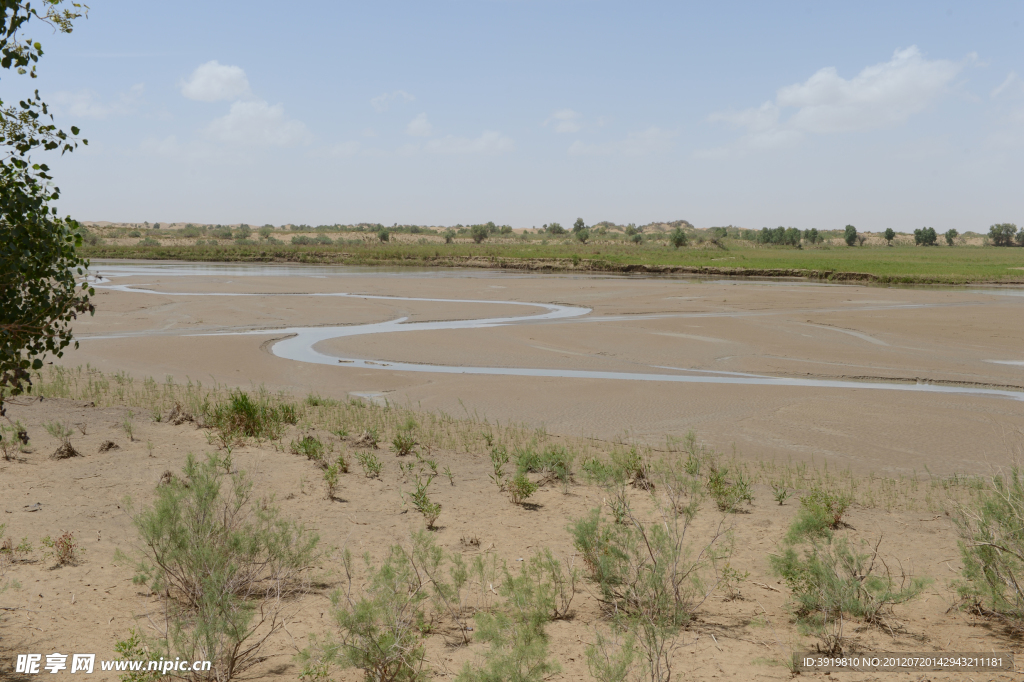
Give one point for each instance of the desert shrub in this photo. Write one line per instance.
(372, 466)
(381, 628)
(554, 461)
(64, 549)
(404, 442)
(520, 488)
(255, 416)
(421, 501)
(649, 570)
(831, 580)
(308, 446)
(136, 648)
(991, 530)
(925, 236)
(331, 478)
(222, 562)
(499, 458)
(539, 592)
(820, 512)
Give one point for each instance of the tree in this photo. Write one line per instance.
(951, 236)
(243, 231)
(583, 235)
(1002, 234)
(478, 233)
(382, 235)
(677, 238)
(889, 236)
(40, 294)
(579, 225)
(925, 236)
(850, 235)
(555, 228)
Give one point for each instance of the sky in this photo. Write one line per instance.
(524, 112)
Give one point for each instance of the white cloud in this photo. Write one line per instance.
(419, 127)
(1012, 85)
(87, 104)
(648, 141)
(344, 149)
(489, 142)
(258, 123)
(167, 146)
(213, 81)
(565, 121)
(880, 96)
(381, 103)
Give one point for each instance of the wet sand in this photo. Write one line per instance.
(950, 337)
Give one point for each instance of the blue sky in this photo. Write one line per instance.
(810, 114)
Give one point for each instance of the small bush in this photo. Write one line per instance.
(65, 549)
(991, 530)
(555, 462)
(371, 465)
(331, 478)
(222, 562)
(820, 512)
(830, 580)
(250, 416)
(420, 500)
(404, 443)
(310, 447)
(499, 458)
(381, 628)
(520, 488)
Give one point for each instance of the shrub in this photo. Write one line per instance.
(64, 549)
(830, 580)
(478, 233)
(555, 462)
(1002, 234)
(421, 501)
(381, 628)
(310, 447)
(991, 530)
(520, 488)
(254, 416)
(820, 512)
(404, 442)
(951, 236)
(850, 235)
(371, 465)
(499, 458)
(925, 236)
(331, 478)
(222, 562)
(649, 571)
(889, 235)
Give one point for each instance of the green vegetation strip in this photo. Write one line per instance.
(736, 258)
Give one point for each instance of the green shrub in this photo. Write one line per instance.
(520, 488)
(421, 501)
(404, 442)
(222, 561)
(499, 458)
(829, 580)
(382, 627)
(649, 570)
(820, 512)
(254, 416)
(991, 530)
(555, 462)
(371, 465)
(135, 648)
(310, 447)
(331, 478)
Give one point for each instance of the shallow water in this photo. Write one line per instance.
(299, 343)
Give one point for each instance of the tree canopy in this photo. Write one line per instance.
(40, 292)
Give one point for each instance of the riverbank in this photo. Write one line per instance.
(878, 265)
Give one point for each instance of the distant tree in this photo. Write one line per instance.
(1002, 234)
(491, 227)
(265, 232)
(156, 226)
(926, 236)
(637, 238)
(382, 235)
(478, 233)
(951, 236)
(889, 236)
(677, 238)
(243, 231)
(583, 235)
(555, 228)
(811, 236)
(861, 239)
(631, 230)
(850, 235)
(579, 225)
(505, 229)
(449, 236)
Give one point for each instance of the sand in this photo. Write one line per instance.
(767, 328)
